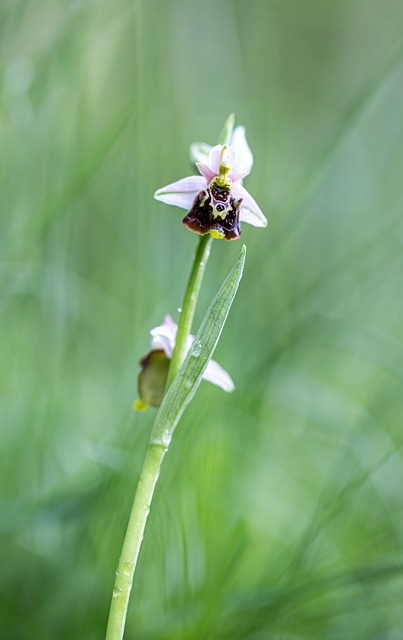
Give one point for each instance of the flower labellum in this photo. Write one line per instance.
(154, 367)
(216, 200)
(215, 210)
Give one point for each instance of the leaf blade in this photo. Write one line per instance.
(189, 376)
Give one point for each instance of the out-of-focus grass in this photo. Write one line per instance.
(279, 511)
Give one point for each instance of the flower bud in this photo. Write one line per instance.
(152, 379)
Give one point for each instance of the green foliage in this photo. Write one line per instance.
(189, 376)
(278, 513)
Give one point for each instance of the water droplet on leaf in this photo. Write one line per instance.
(196, 348)
(128, 568)
(166, 437)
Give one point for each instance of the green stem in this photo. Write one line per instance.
(133, 540)
(189, 305)
(154, 457)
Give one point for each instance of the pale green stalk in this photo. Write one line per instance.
(133, 540)
(189, 305)
(155, 454)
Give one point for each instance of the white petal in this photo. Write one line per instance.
(214, 158)
(182, 192)
(199, 152)
(221, 156)
(238, 176)
(215, 373)
(163, 337)
(162, 343)
(170, 325)
(227, 159)
(250, 210)
(244, 156)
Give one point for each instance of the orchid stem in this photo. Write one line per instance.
(189, 305)
(153, 460)
(133, 540)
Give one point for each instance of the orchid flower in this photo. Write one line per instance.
(153, 375)
(216, 200)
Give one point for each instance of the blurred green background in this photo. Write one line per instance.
(279, 512)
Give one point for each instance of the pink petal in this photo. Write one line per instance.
(216, 374)
(250, 210)
(205, 171)
(182, 192)
(240, 175)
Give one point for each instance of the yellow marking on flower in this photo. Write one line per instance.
(218, 235)
(223, 180)
(139, 405)
(226, 160)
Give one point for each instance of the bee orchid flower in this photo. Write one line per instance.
(154, 367)
(216, 200)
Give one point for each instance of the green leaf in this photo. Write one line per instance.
(189, 376)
